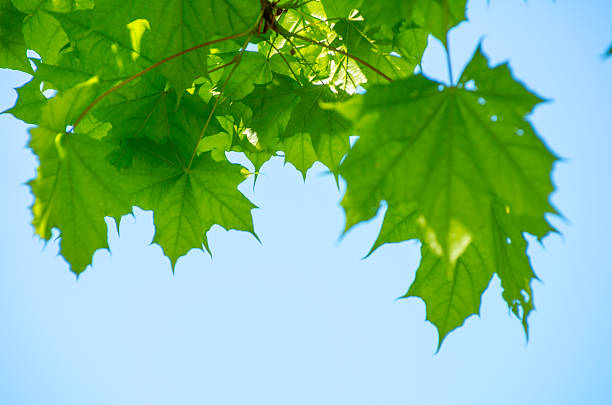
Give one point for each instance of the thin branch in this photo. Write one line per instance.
(156, 65)
(448, 63)
(270, 42)
(447, 44)
(331, 48)
(231, 62)
(217, 99)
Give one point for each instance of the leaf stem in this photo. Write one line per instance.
(217, 99)
(447, 44)
(286, 33)
(231, 62)
(155, 65)
(448, 62)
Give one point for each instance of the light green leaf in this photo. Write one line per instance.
(75, 187)
(457, 154)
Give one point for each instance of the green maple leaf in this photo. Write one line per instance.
(76, 187)
(472, 168)
(187, 199)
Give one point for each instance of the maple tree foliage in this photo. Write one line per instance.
(151, 95)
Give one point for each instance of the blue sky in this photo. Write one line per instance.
(300, 318)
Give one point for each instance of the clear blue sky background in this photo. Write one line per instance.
(301, 319)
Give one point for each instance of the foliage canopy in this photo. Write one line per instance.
(150, 95)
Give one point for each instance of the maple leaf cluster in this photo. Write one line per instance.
(149, 97)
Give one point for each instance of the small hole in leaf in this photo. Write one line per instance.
(494, 118)
(69, 129)
(33, 55)
(49, 93)
(525, 295)
(470, 85)
(508, 241)
(519, 132)
(440, 87)
(481, 101)
(397, 55)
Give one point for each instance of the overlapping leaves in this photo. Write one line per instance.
(151, 96)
